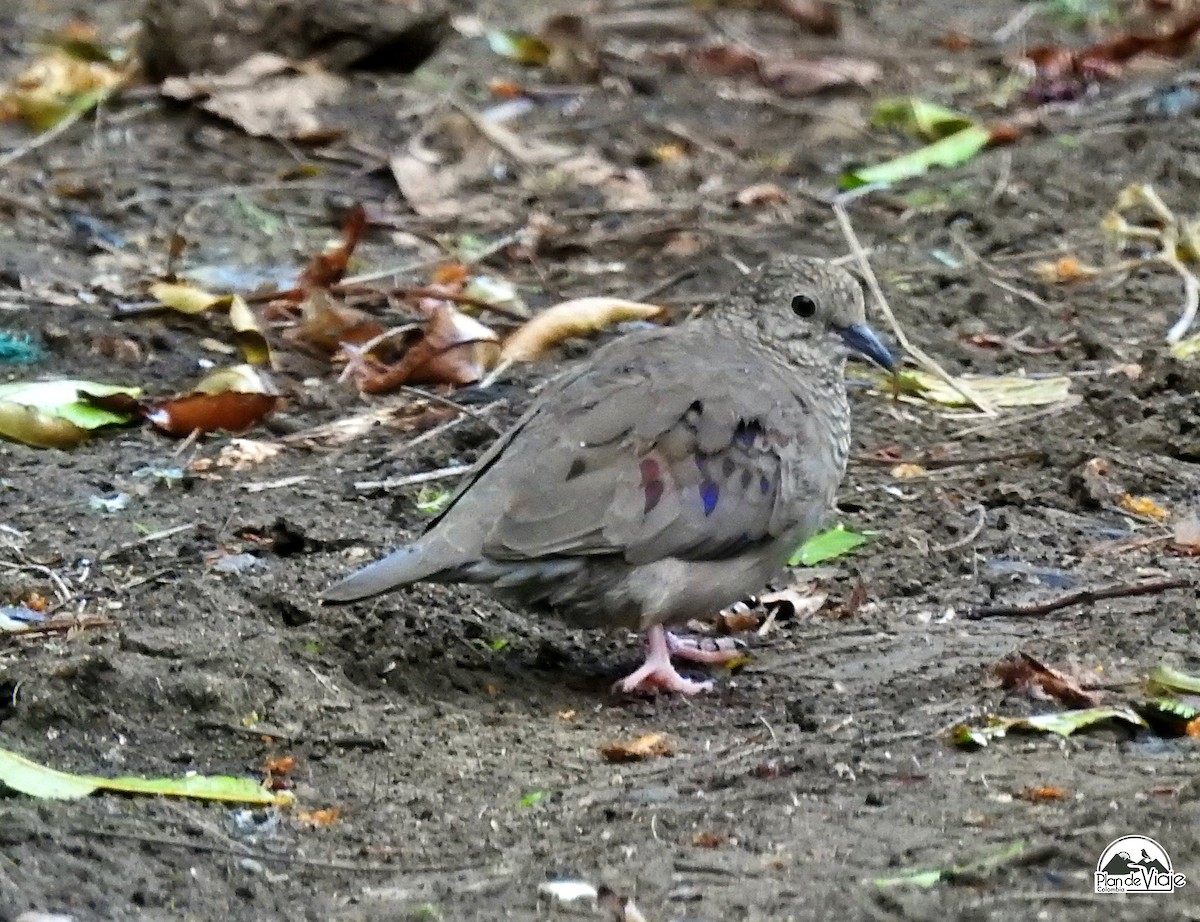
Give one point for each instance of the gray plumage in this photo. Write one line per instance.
(670, 475)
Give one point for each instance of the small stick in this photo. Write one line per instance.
(261, 730)
(454, 470)
(1082, 597)
(148, 539)
(924, 360)
(64, 625)
(44, 138)
(970, 536)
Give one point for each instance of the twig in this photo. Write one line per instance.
(65, 625)
(662, 285)
(148, 539)
(454, 470)
(843, 217)
(445, 401)
(968, 537)
(936, 464)
(1081, 597)
(346, 742)
(1191, 300)
(42, 139)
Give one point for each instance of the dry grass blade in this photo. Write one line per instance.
(921, 357)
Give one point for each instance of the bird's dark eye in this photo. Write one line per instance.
(803, 306)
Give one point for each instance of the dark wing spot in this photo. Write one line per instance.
(652, 484)
(578, 466)
(728, 466)
(746, 478)
(746, 432)
(708, 494)
(764, 486)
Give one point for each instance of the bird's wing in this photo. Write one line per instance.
(649, 454)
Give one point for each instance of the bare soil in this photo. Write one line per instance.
(460, 740)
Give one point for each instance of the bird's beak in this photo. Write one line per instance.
(862, 339)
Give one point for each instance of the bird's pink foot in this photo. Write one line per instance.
(711, 650)
(657, 672)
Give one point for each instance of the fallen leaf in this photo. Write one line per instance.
(1064, 271)
(708, 840)
(827, 545)
(649, 746)
(453, 349)
(1022, 672)
(578, 317)
(1042, 793)
(797, 601)
(57, 85)
(266, 96)
(998, 390)
(519, 46)
(429, 190)
(906, 471)
(788, 76)
(950, 151)
(279, 766)
(328, 268)
(1145, 507)
(228, 399)
(763, 193)
(36, 780)
(325, 324)
(1063, 723)
(189, 299)
(53, 414)
(320, 819)
(929, 877)
(918, 117)
(738, 622)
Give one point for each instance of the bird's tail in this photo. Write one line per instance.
(405, 565)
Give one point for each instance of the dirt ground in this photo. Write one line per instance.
(460, 740)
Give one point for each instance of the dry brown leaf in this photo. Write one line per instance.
(738, 622)
(800, 600)
(325, 324)
(577, 317)
(649, 746)
(453, 349)
(266, 96)
(905, 471)
(818, 16)
(430, 191)
(621, 188)
(1024, 673)
(328, 268)
(240, 454)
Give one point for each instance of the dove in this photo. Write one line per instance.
(669, 476)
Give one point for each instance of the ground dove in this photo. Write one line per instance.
(668, 477)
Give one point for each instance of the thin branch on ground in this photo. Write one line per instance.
(445, 473)
(1081, 597)
(922, 359)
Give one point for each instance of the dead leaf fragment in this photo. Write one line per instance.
(763, 193)
(1186, 537)
(326, 324)
(266, 96)
(226, 400)
(1145, 507)
(649, 746)
(578, 317)
(1025, 674)
(1064, 271)
(320, 819)
(328, 268)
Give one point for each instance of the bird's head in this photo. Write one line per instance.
(805, 300)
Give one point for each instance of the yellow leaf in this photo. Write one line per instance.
(1145, 507)
(572, 318)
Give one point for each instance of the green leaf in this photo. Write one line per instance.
(498, 644)
(918, 117)
(829, 544)
(952, 150)
(928, 877)
(1186, 348)
(36, 780)
(1061, 723)
(431, 500)
(1164, 679)
(60, 399)
(519, 46)
(532, 799)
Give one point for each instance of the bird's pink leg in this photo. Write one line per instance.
(657, 671)
(722, 650)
